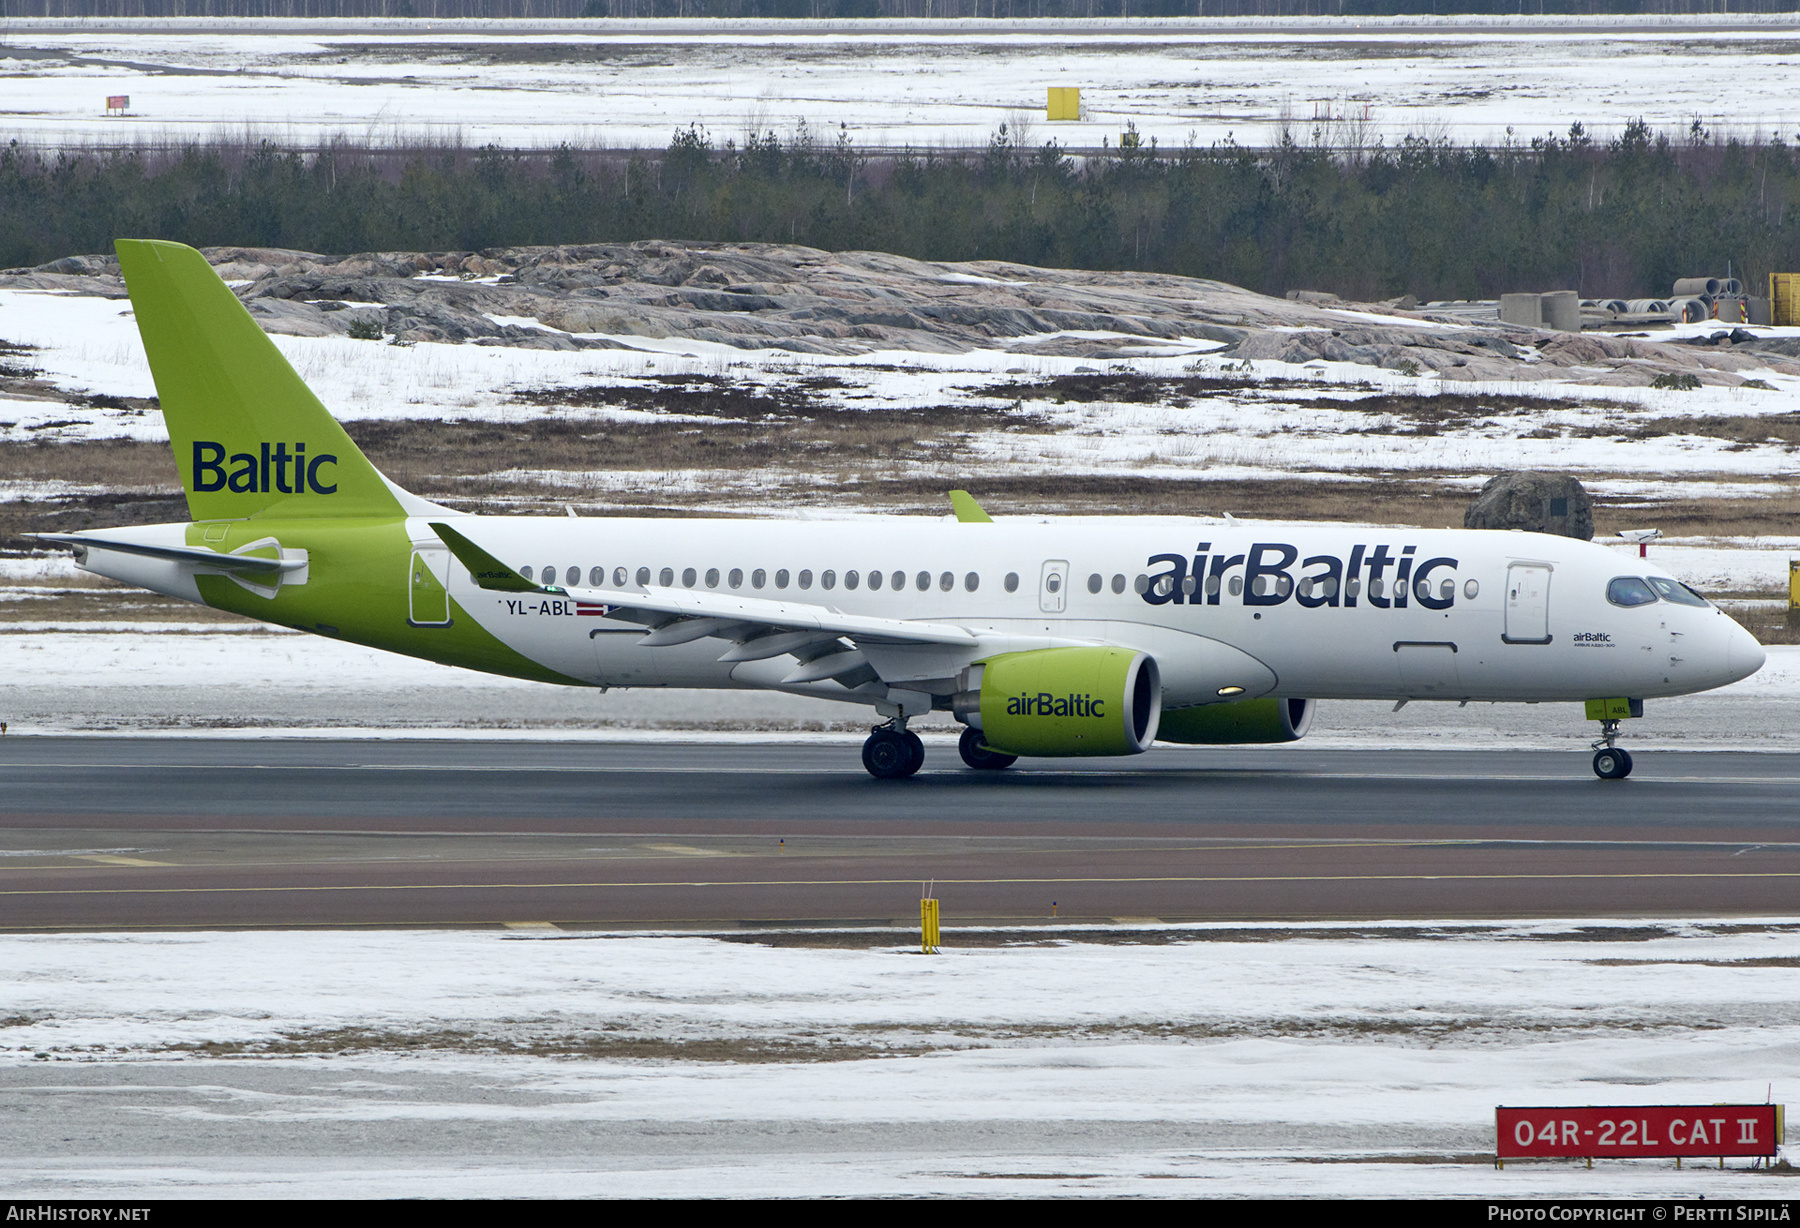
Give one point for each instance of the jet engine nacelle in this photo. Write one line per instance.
(1238, 724)
(1063, 701)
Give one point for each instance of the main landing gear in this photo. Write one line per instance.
(979, 756)
(1610, 762)
(892, 752)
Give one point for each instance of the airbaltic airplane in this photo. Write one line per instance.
(1044, 638)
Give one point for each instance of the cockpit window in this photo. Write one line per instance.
(1629, 591)
(1671, 590)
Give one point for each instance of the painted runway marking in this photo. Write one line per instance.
(824, 848)
(892, 882)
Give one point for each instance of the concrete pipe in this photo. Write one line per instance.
(1647, 306)
(1691, 310)
(1696, 285)
(1732, 286)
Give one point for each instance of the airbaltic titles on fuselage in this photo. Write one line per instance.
(1267, 580)
(1383, 576)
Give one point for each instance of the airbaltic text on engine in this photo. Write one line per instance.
(1046, 704)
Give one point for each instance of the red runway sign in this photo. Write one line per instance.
(1639, 1130)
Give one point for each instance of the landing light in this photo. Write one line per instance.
(1231, 690)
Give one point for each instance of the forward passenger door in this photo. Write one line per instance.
(1527, 604)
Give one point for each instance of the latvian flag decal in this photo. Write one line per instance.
(593, 609)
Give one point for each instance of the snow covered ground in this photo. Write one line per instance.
(895, 83)
(1215, 1060)
(1309, 427)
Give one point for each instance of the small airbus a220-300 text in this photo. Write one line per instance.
(1080, 636)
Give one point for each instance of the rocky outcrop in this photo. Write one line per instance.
(766, 296)
(1535, 502)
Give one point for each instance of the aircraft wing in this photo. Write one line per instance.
(758, 628)
(717, 610)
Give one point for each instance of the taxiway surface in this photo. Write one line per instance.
(135, 832)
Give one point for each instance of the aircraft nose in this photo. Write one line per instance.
(1743, 655)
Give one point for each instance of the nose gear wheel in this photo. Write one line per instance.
(1610, 762)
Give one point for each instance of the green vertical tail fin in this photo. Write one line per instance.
(249, 436)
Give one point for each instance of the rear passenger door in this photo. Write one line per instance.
(428, 594)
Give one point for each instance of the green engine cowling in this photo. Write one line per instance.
(1238, 724)
(1064, 701)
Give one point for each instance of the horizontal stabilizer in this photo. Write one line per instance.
(191, 555)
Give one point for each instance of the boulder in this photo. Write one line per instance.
(1535, 502)
(78, 266)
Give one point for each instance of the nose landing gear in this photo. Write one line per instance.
(893, 752)
(1610, 762)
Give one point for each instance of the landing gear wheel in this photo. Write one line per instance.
(1612, 763)
(977, 755)
(891, 754)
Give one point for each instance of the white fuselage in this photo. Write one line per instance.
(1293, 610)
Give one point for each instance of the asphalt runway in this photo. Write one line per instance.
(102, 832)
(1080, 30)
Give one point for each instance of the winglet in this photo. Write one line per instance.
(967, 510)
(486, 570)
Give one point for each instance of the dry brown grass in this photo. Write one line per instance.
(1748, 430)
(87, 599)
(141, 481)
(117, 463)
(457, 456)
(603, 1046)
(1127, 388)
(1749, 515)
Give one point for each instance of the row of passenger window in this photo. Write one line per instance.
(1164, 586)
(760, 578)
